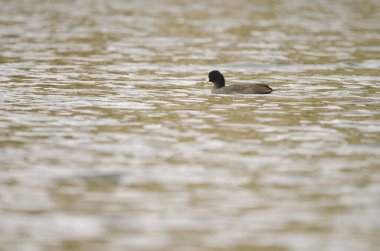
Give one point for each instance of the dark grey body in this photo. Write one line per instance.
(217, 79)
(243, 89)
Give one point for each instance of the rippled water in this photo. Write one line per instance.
(111, 140)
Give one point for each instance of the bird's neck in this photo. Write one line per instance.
(219, 84)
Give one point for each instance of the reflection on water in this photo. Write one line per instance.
(111, 140)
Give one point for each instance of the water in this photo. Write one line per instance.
(111, 140)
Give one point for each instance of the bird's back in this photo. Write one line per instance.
(243, 89)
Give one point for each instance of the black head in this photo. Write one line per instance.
(217, 78)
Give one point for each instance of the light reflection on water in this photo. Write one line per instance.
(111, 140)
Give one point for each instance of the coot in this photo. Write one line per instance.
(220, 88)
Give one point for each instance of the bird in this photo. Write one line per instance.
(220, 88)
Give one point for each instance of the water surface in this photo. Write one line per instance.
(111, 140)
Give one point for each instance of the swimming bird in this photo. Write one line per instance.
(220, 88)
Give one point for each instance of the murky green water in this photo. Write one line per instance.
(110, 139)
